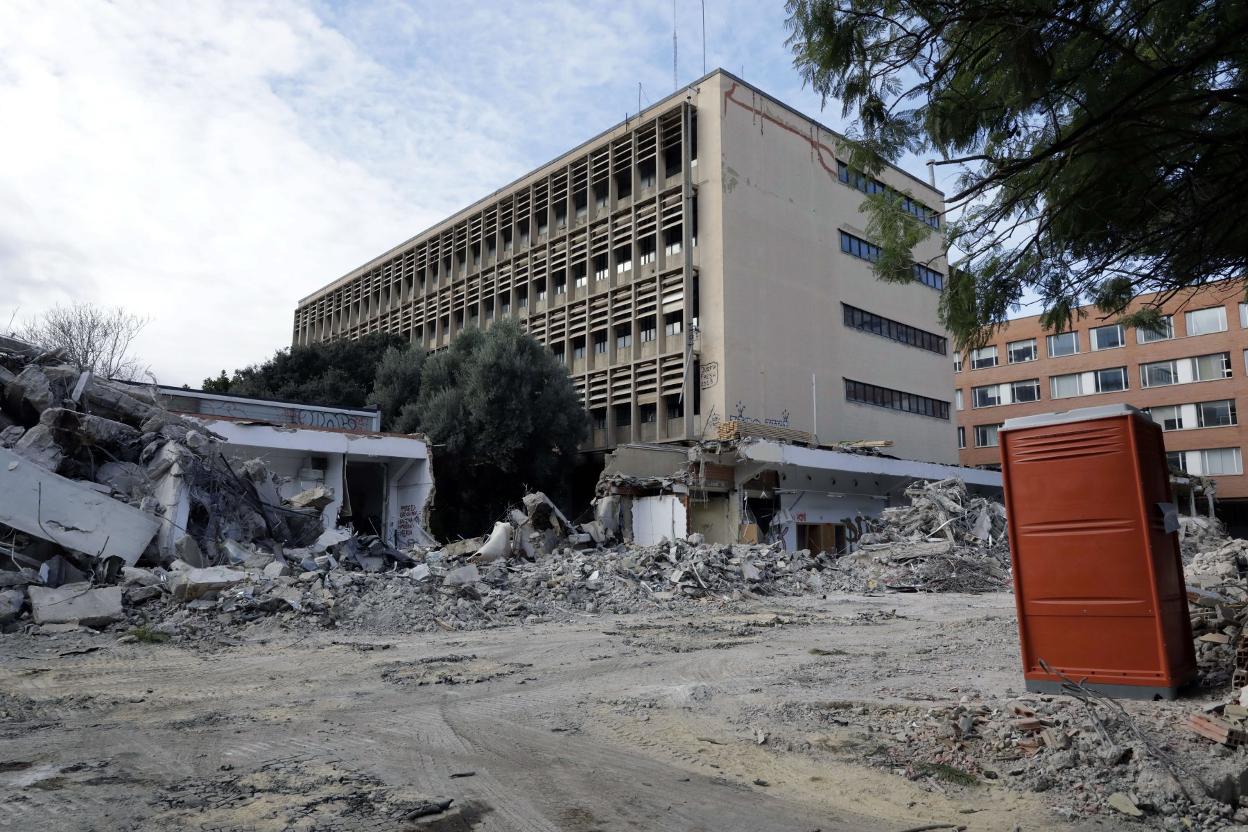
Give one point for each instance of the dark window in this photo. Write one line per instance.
(893, 330)
(871, 185)
(863, 393)
(858, 247)
(649, 413)
(623, 415)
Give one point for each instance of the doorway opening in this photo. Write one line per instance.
(364, 504)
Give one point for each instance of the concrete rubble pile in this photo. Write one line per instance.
(97, 478)
(944, 541)
(535, 566)
(1091, 757)
(1200, 534)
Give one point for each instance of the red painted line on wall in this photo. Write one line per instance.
(817, 147)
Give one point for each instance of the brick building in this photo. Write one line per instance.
(1192, 375)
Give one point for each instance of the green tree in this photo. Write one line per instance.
(1102, 148)
(503, 417)
(220, 384)
(396, 387)
(330, 373)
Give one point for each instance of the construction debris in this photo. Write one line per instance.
(944, 541)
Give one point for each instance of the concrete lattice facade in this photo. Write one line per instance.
(692, 260)
(1191, 377)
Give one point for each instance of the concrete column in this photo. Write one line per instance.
(335, 477)
(686, 196)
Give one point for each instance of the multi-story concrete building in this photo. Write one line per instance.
(1190, 376)
(705, 260)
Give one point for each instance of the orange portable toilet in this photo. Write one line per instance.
(1098, 579)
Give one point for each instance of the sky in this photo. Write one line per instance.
(206, 164)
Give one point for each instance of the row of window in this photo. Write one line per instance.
(1207, 462)
(863, 393)
(1212, 367)
(1215, 414)
(858, 247)
(904, 333)
(647, 414)
(871, 185)
(1198, 322)
(647, 331)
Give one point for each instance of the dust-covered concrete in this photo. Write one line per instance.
(718, 719)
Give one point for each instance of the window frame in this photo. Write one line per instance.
(976, 360)
(1231, 410)
(1053, 385)
(1032, 383)
(1167, 322)
(1236, 454)
(1052, 339)
(996, 435)
(1189, 316)
(1010, 347)
(996, 394)
(1094, 331)
(1122, 374)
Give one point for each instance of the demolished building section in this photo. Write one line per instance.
(752, 490)
(98, 477)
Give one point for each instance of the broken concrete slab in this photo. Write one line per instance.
(51, 507)
(459, 548)
(39, 446)
(11, 601)
(330, 537)
(139, 577)
(21, 577)
(76, 603)
(462, 576)
(190, 584)
(58, 571)
(496, 546)
(316, 497)
(277, 569)
(29, 394)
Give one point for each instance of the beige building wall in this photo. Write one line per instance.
(769, 273)
(781, 207)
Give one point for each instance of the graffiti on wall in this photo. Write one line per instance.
(855, 527)
(409, 521)
(293, 416)
(739, 414)
(708, 375)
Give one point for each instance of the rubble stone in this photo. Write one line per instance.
(191, 584)
(76, 603)
(11, 601)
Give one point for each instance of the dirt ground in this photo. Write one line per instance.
(710, 721)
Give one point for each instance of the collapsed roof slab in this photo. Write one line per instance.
(907, 470)
(40, 503)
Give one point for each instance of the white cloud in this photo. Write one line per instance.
(207, 164)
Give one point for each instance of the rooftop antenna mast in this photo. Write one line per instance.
(703, 37)
(674, 83)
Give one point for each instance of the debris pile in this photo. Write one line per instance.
(1091, 756)
(97, 476)
(944, 541)
(1200, 534)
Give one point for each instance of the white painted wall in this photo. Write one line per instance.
(816, 508)
(658, 518)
